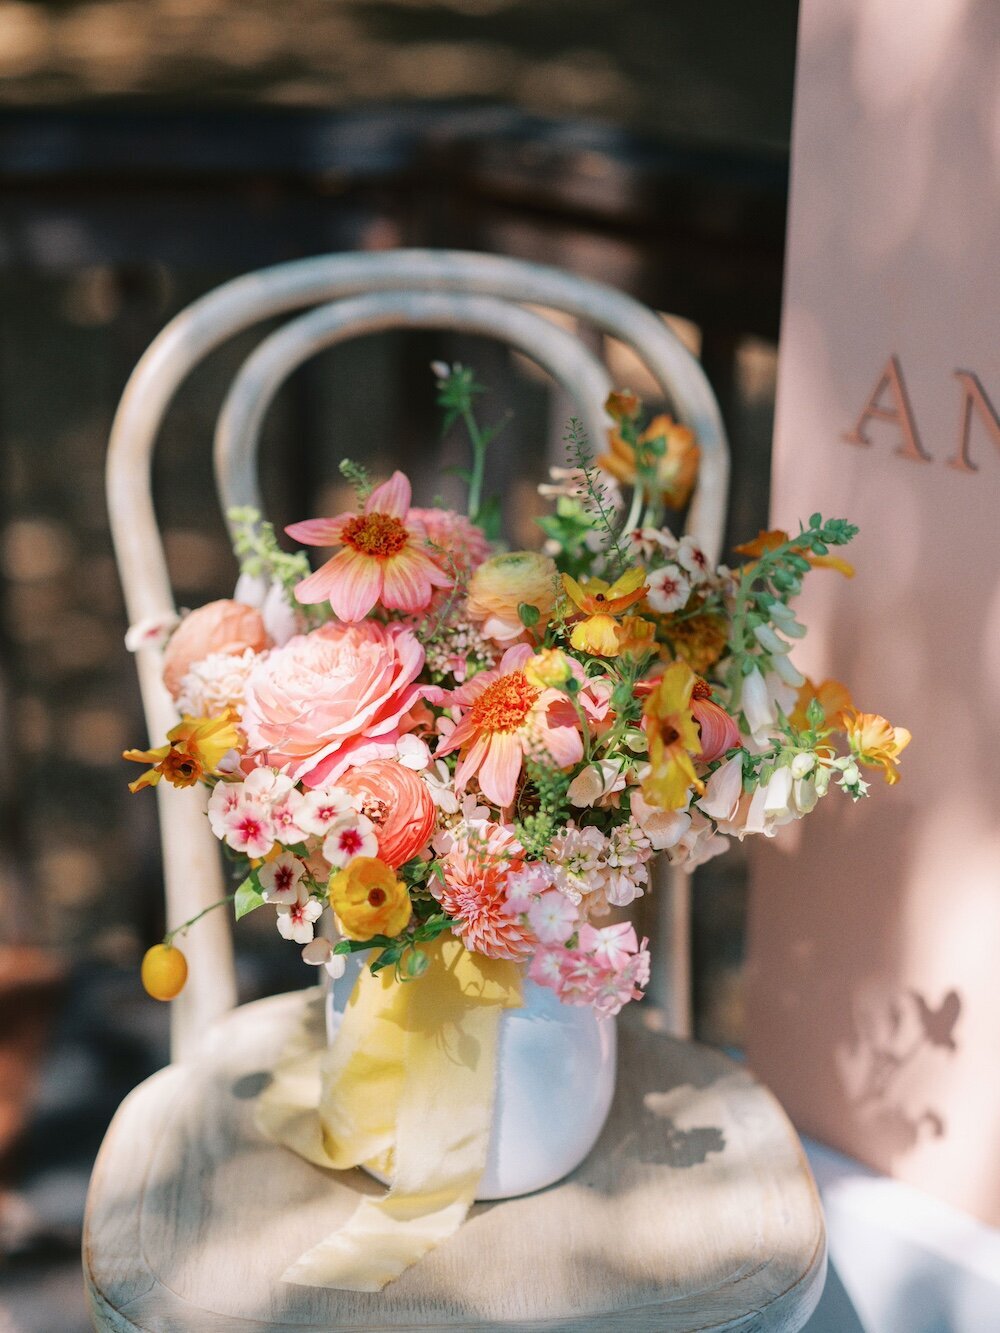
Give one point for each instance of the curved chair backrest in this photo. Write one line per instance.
(353, 294)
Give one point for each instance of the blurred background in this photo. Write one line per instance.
(151, 149)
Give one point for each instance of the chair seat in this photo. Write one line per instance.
(695, 1211)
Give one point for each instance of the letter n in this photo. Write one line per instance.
(973, 399)
(897, 410)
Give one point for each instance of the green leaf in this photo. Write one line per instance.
(529, 614)
(247, 898)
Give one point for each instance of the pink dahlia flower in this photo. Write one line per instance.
(332, 699)
(456, 535)
(385, 557)
(474, 892)
(505, 717)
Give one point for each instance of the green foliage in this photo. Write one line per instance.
(248, 897)
(595, 498)
(458, 390)
(255, 546)
(546, 788)
(359, 477)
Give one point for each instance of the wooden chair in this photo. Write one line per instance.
(695, 1211)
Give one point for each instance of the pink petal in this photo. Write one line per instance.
(406, 586)
(562, 740)
(499, 773)
(319, 531)
(392, 497)
(317, 587)
(515, 658)
(458, 737)
(469, 765)
(356, 585)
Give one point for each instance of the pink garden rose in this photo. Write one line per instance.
(225, 626)
(332, 699)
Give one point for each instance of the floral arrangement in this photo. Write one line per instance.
(430, 734)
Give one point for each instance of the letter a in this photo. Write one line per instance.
(973, 396)
(898, 411)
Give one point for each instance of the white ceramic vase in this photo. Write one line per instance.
(555, 1080)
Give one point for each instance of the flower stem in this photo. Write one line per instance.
(178, 930)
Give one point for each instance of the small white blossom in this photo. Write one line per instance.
(322, 807)
(691, 557)
(319, 953)
(669, 589)
(295, 919)
(215, 683)
(247, 828)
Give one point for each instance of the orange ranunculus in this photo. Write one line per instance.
(832, 696)
(602, 603)
(397, 802)
(674, 471)
(876, 742)
(767, 541)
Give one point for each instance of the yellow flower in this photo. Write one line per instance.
(636, 637)
(548, 669)
(368, 899)
(673, 737)
(875, 742)
(676, 469)
(599, 634)
(501, 585)
(196, 746)
(832, 697)
(767, 541)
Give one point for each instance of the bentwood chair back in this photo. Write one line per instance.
(347, 295)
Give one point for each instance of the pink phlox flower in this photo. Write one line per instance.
(322, 807)
(350, 835)
(248, 829)
(384, 558)
(611, 946)
(553, 917)
(280, 879)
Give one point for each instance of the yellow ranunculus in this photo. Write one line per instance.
(876, 742)
(673, 737)
(506, 582)
(368, 899)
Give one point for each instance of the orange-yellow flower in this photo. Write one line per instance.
(673, 738)
(196, 746)
(832, 696)
(504, 583)
(622, 405)
(384, 557)
(876, 742)
(674, 471)
(602, 603)
(368, 899)
(767, 541)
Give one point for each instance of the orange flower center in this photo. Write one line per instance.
(376, 534)
(505, 704)
(701, 690)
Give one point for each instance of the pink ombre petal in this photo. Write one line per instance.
(514, 658)
(500, 769)
(356, 586)
(563, 743)
(318, 586)
(406, 586)
(319, 531)
(465, 730)
(470, 763)
(392, 497)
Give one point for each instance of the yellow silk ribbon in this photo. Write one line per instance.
(406, 1089)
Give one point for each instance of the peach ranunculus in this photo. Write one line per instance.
(397, 802)
(501, 585)
(384, 558)
(224, 627)
(671, 453)
(334, 698)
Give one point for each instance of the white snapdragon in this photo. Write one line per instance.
(596, 783)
